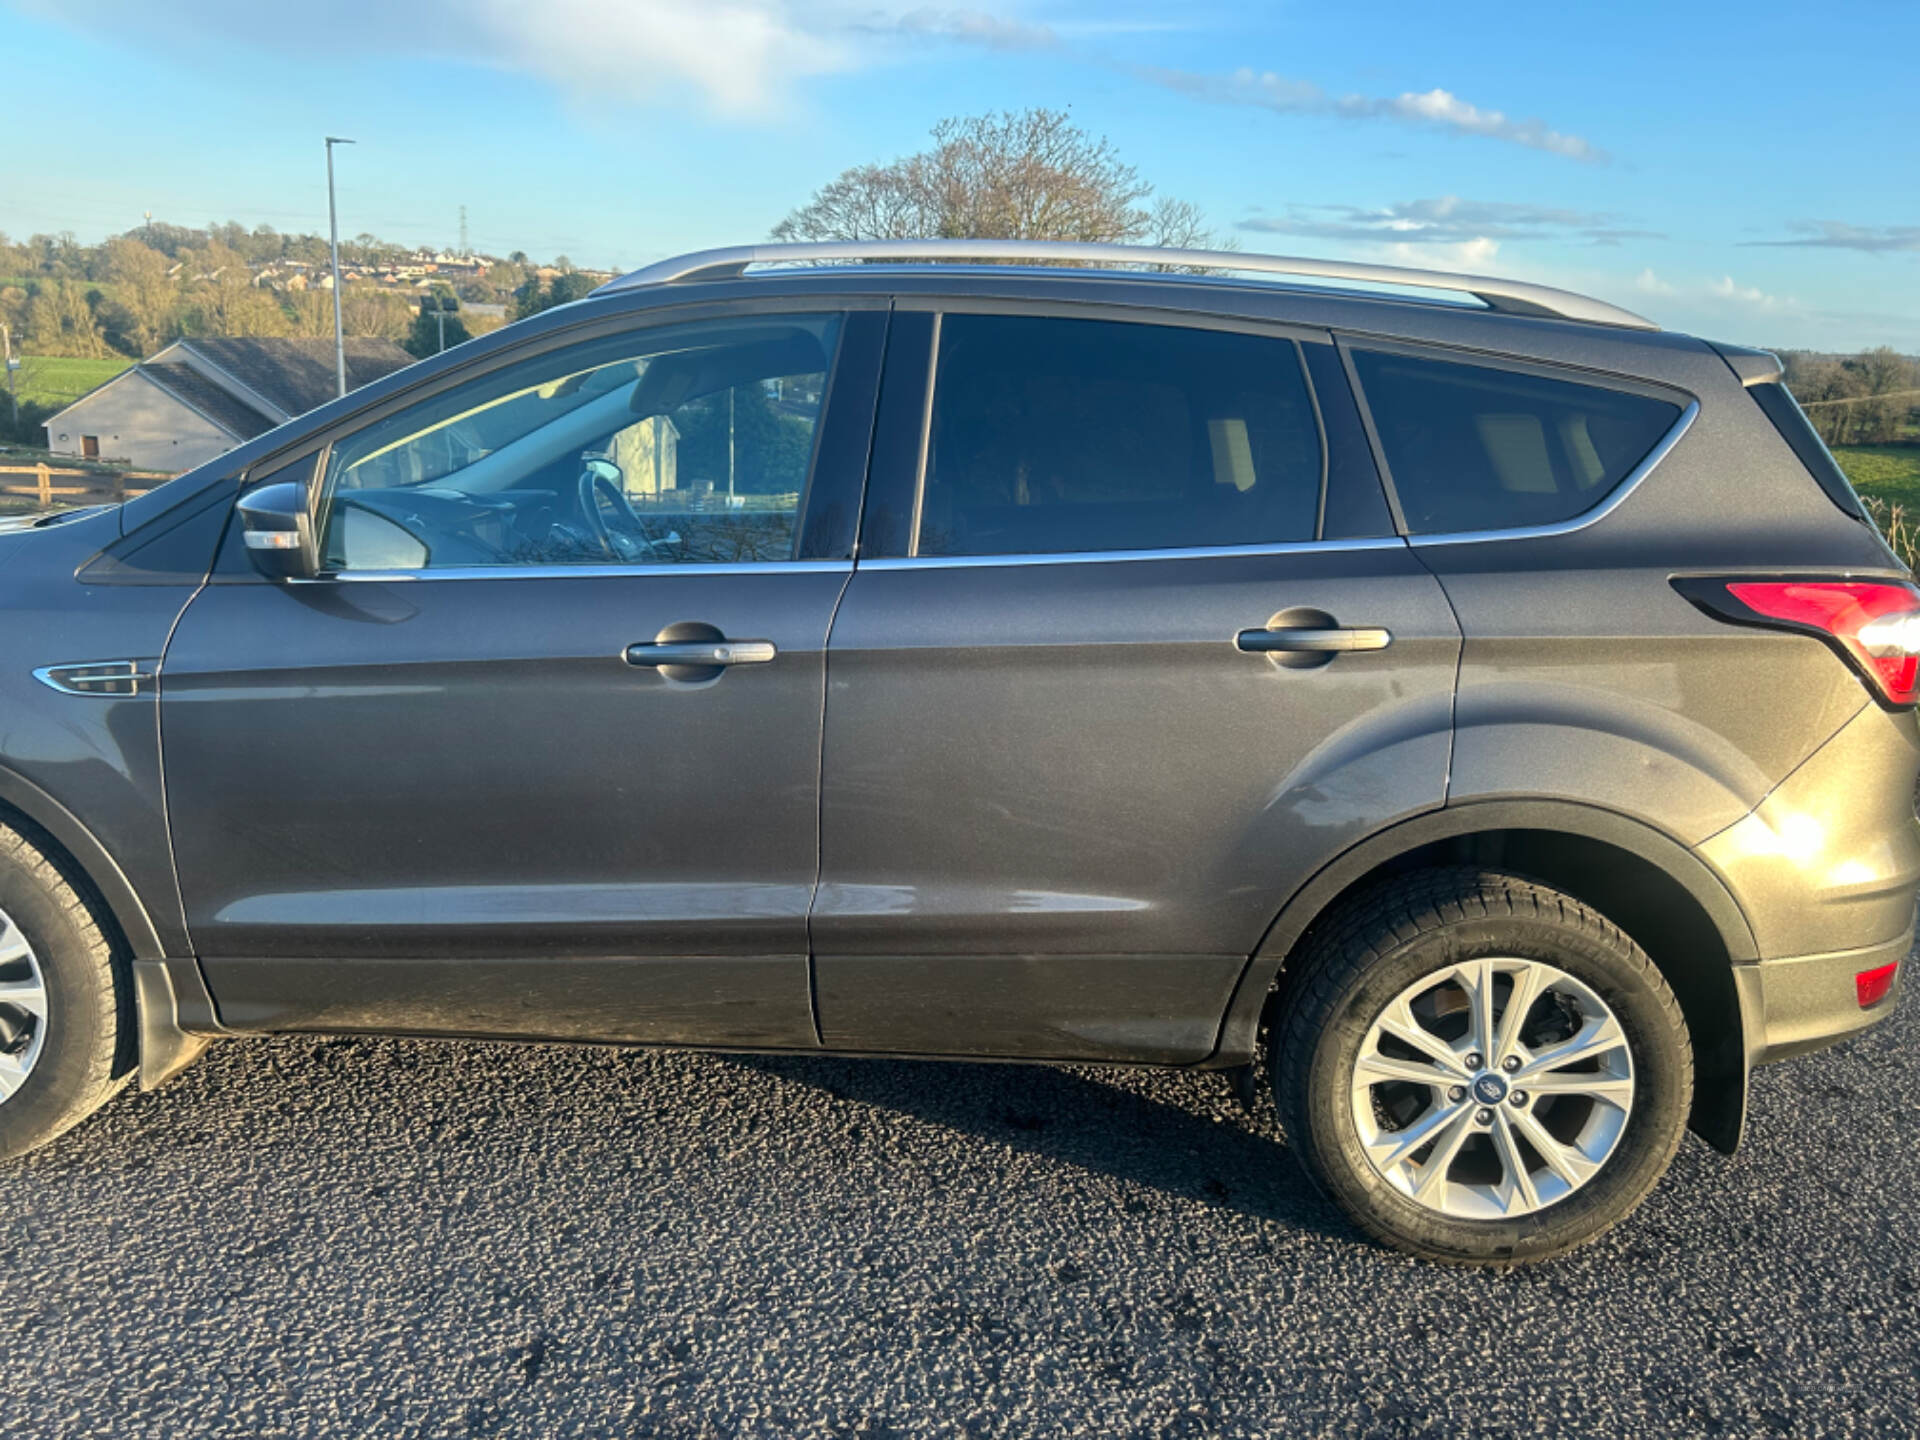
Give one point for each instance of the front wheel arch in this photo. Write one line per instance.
(72, 843)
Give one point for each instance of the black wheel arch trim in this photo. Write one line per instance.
(1240, 1027)
(100, 868)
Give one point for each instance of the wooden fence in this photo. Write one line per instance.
(96, 487)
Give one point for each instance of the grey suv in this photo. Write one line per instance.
(1493, 719)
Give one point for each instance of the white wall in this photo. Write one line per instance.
(141, 423)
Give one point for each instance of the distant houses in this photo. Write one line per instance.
(419, 271)
(198, 398)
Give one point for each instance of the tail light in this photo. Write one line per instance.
(1874, 625)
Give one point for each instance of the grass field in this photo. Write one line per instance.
(1888, 479)
(57, 379)
(1885, 472)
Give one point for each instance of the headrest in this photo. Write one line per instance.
(672, 380)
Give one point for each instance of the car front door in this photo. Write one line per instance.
(1131, 650)
(536, 752)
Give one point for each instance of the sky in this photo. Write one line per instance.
(1748, 172)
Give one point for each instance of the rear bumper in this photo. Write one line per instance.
(1794, 1006)
(1830, 860)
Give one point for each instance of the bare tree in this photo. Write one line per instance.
(1862, 399)
(1034, 175)
(60, 320)
(143, 289)
(367, 311)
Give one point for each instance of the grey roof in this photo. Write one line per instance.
(209, 397)
(297, 375)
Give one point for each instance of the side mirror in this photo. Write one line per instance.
(278, 529)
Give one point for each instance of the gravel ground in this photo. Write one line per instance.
(377, 1238)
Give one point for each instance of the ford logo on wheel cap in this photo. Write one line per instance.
(1489, 1089)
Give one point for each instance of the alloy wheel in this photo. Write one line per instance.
(23, 1008)
(1492, 1088)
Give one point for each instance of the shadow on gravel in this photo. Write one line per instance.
(1100, 1127)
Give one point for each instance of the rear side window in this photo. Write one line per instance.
(1472, 447)
(1794, 427)
(1053, 436)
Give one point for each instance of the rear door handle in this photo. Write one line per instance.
(1319, 640)
(701, 652)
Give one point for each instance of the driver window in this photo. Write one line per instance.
(680, 446)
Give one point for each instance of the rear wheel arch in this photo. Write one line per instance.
(1647, 883)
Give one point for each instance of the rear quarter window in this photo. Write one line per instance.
(1477, 447)
(1794, 427)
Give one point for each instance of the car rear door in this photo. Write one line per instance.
(1131, 650)
(506, 768)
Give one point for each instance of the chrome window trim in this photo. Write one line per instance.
(1589, 517)
(1101, 557)
(1579, 522)
(578, 572)
(926, 436)
(636, 327)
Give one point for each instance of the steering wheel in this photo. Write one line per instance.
(620, 534)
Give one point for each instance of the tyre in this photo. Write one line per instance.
(61, 1020)
(1478, 1069)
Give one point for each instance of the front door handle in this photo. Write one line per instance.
(1315, 639)
(701, 652)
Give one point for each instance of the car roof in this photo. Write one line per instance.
(1512, 297)
(1616, 349)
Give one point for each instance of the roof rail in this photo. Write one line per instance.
(1509, 297)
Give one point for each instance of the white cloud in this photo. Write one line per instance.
(971, 27)
(1449, 219)
(1436, 108)
(1722, 307)
(741, 57)
(1449, 111)
(1725, 289)
(1473, 255)
(1840, 235)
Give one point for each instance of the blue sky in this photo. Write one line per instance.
(1751, 172)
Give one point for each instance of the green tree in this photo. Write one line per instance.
(428, 337)
(530, 298)
(533, 297)
(768, 451)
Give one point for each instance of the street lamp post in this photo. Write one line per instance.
(333, 223)
(6, 334)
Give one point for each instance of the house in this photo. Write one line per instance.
(200, 397)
